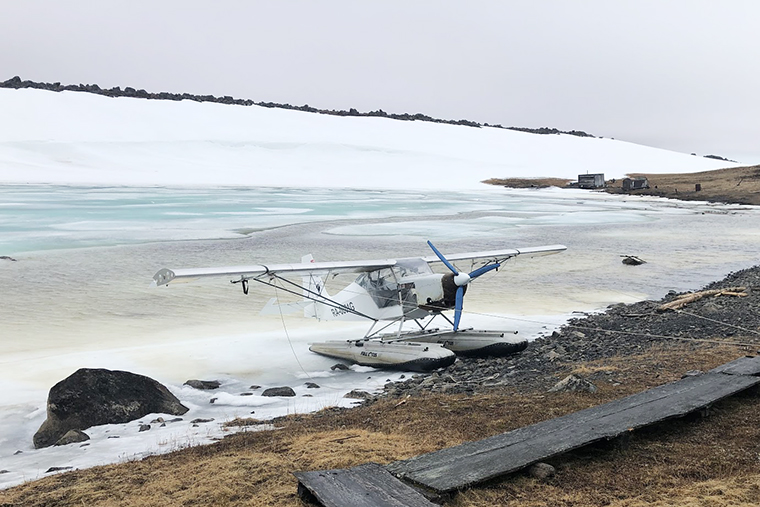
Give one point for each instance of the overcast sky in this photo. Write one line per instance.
(677, 74)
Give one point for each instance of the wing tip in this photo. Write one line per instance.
(163, 277)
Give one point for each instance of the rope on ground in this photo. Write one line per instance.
(287, 335)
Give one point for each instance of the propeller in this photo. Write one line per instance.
(461, 280)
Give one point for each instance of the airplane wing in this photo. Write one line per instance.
(493, 256)
(236, 273)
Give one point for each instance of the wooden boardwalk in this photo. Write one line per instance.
(367, 485)
(471, 463)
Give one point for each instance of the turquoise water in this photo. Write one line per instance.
(34, 217)
(38, 217)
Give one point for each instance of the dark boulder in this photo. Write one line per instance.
(279, 391)
(91, 397)
(203, 384)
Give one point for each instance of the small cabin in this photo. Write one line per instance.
(635, 184)
(591, 180)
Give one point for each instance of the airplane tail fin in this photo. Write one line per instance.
(313, 287)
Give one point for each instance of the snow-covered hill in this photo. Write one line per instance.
(81, 138)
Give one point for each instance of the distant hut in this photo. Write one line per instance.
(591, 180)
(635, 184)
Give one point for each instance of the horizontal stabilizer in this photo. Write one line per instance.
(274, 308)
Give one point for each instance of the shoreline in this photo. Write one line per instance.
(621, 351)
(739, 185)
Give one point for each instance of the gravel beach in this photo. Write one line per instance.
(620, 331)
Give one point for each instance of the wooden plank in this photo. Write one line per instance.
(474, 462)
(368, 485)
(749, 365)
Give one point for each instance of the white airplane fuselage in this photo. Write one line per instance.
(412, 292)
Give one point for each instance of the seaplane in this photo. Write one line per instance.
(387, 293)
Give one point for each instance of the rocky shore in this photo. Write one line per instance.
(621, 331)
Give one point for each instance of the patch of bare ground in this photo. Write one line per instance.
(714, 458)
(740, 185)
(528, 182)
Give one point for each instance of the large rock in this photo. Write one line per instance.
(91, 397)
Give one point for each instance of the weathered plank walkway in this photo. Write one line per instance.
(367, 485)
(475, 462)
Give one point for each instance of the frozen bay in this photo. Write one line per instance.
(79, 296)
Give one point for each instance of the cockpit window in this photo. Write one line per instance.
(382, 284)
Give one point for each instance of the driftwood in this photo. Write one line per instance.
(685, 299)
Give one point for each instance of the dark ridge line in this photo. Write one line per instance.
(16, 83)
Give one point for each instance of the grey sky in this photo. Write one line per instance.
(677, 74)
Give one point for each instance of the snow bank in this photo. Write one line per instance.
(81, 138)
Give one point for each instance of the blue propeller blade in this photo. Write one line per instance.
(484, 269)
(443, 259)
(458, 307)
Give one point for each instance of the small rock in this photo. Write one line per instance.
(5, 471)
(6, 258)
(212, 400)
(279, 391)
(203, 384)
(197, 421)
(711, 308)
(57, 469)
(246, 394)
(339, 366)
(157, 420)
(73, 437)
(18, 452)
(573, 383)
(254, 387)
(312, 385)
(358, 395)
(542, 471)
(144, 427)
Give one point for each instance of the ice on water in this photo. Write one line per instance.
(79, 294)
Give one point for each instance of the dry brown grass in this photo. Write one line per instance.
(739, 185)
(528, 182)
(736, 185)
(713, 461)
